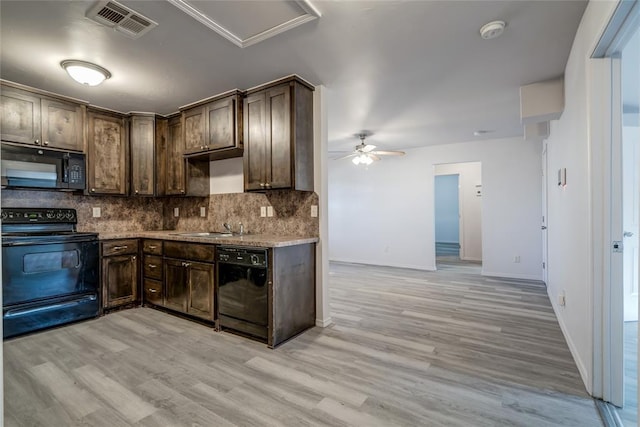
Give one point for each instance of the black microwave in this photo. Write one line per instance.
(33, 167)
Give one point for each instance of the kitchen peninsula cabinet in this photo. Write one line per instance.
(119, 272)
(34, 119)
(189, 278)
(107, 153)
(278, 136)
(212, 128)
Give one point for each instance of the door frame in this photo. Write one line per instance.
(605, 150)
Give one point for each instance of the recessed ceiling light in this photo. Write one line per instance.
(492, 29)
(84, 72)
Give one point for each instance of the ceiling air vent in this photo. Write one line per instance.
(120, 18)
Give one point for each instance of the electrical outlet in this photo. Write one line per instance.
(562, 299)
(203, 211)
(263, 211)
(516, 259)
(97, 212)
(176, 212)
(314, 211)
(269, 211)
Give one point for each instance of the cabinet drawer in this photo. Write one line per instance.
(190, 251)
(119, 247)
(153, 247)
(153, 291)
(153, 266)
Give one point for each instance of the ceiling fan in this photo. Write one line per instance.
(366, 154)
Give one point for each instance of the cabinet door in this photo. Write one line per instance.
(255, 150)
(107, 155)
(20, 116)
(62, 124)
(176, 284)
(194, 127)
(175, 162)
(200, 301)
(278, 123)
(120, 280)
(142, 155)
(222, 124)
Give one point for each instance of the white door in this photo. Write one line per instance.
(630, 218)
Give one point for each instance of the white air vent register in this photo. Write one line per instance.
(121, 18)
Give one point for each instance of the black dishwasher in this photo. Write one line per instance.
(243, 290)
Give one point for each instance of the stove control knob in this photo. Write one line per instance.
(69, 215)
(60, 215)
(50, 214)
(4, 215)
(255, 260)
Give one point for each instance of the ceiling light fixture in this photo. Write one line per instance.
(363, 159)
(84, 72)
(492, 29)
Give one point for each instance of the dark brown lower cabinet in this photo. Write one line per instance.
(119, 272)
(189, 278)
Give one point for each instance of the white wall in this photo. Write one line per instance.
(447, 208)
(569, 208)
(470, 206)
(383, 214)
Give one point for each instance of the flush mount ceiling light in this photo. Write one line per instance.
(492, 30)
(84, 72)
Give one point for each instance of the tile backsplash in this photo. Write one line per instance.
(291, 211)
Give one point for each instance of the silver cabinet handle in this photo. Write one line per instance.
(119, 248)
(133, 258)
(37, 142)
(152, 265)
(544, 227)
(627, 234)
(186, 264)
(45, 143)
(152, 246)
(262, 184)
(153, 291)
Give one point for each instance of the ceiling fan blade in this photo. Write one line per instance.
(347, 156)
(368, 148)
(388, 153)
(373, 156)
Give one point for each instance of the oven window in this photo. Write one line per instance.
(50, 261)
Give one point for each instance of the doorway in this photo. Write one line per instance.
(630, 97)
(458, 225)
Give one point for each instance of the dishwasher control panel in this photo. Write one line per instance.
(242, 256)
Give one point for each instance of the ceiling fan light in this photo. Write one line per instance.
(84, 72)
(356, 160)
(367, 160)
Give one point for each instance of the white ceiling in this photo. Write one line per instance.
(414, 72)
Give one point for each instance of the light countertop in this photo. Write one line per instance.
(255, 240)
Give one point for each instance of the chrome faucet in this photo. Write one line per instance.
(227, 227)
(241, 228)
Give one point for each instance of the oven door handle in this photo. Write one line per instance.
(24, 311)
(47, 242)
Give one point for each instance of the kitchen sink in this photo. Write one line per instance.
(211, 234)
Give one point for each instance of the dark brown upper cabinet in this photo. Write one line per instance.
(278, 136)
(107, 153)
(148, 139)
(175, 176)
(34, 119)
(212, 128)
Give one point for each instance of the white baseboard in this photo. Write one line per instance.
(512, 275)
(408, 266)
(584, 374)
(323, 323)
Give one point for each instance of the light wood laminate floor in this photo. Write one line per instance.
(407, 348)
